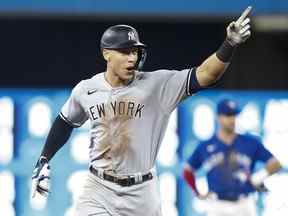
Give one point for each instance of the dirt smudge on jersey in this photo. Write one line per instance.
(116, 136)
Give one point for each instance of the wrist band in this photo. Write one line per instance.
(225, 51)
(258, 177)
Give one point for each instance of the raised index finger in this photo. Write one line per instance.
(243, 15)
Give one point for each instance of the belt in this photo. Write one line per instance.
(124, 181)
(230, 197)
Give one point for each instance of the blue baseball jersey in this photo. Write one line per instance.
(229, 166)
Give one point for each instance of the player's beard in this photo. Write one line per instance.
(229, 129)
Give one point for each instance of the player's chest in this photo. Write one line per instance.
(129, 102)
(233, 154)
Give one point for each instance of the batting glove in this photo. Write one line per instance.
(40, 178)
(239, 31)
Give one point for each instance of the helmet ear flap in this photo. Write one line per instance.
(142, 54)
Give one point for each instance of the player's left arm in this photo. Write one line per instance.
(214, 66)
(272, 165)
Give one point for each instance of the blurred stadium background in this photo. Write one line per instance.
(46, 47)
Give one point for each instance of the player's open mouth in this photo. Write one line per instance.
(130, 69)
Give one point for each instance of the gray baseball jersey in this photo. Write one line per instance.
(127, 122)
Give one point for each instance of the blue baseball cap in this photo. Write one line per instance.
(227, 107)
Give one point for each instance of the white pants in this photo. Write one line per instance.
(91, 208)
(104, 198)
(243, 207)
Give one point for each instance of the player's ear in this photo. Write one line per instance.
(106, 54)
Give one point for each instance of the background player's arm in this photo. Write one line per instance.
(189, 176)
(272, 166)
(215, 65)
(193, 163)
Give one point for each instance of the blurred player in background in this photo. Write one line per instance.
(229, 159)
(128, 110)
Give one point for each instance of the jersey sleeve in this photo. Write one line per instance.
(262, 154)
(196, 159)
(72, 112)
(174, 87)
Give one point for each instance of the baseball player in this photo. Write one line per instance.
(128, 110)
(229, 159)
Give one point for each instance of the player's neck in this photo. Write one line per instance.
(115, 81)
(226, 137)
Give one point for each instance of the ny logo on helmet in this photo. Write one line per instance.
(131, 36)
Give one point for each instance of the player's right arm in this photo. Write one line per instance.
(214, 66)
(57, 137)
(72, 115)
(193, 163)
(189, 176)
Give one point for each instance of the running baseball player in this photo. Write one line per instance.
(229, 159)
(128, 110)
